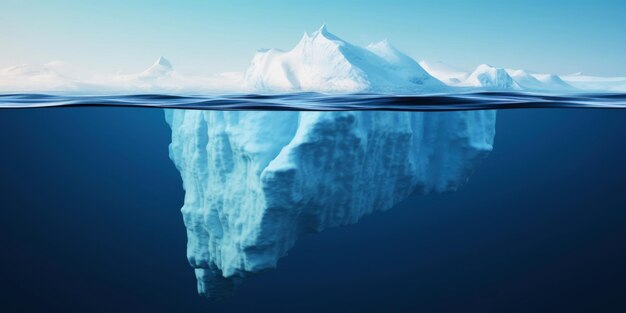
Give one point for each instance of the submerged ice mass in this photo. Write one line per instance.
(255, 181)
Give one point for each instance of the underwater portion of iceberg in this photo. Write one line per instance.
(255, 181)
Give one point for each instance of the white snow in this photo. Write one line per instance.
(320, 62)
(530, 81)
(324, 62)
(159, 76)
(48, 77)
(448, 74)
(162, 77)
(596, 83)
(487, 77)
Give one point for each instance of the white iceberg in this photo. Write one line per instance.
(49, 77)
(530, 81)
(161, 77)
(323, 62)
(255, 181)
(596, 83)
(489, 78)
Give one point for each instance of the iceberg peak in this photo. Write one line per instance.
(161, 67)
(321, 36)
(491, 78)
(323, 62)
(161, 61)
(484, 68)
(323, 31)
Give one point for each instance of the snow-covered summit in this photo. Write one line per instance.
(486, 77)
(323, 62)
(490, 78)
(159, 77)
(525, 79)
(162, 67)
(531, 81)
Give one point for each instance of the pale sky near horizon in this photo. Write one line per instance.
(117, 36)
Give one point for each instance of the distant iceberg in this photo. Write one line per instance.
(596, 83)
(489, 78)
(40, 78)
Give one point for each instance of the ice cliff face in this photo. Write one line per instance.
(255, 181)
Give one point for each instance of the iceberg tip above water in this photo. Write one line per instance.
(256, 181)
(324, 62)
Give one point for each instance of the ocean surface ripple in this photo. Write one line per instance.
(323, 102)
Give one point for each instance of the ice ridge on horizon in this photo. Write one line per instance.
(321, 62)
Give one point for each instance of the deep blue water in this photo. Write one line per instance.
(90, 222)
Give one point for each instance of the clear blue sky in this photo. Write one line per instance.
(215, 36)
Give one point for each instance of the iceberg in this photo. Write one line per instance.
(255, 181)
(319, 62)
(530, 81)
(49, 77)
(489, 78)
(324, 62)
(162, 77)
(596, 83)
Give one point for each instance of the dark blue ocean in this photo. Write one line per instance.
(90, 222)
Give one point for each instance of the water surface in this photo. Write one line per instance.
(326, 102)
